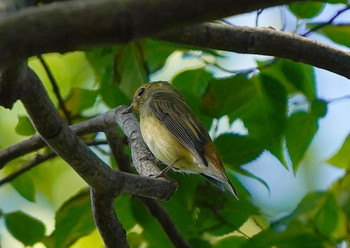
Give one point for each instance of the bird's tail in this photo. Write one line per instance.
(222, 184)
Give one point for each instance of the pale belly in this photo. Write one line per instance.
(166, 147)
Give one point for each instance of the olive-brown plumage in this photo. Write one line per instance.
(175, 135)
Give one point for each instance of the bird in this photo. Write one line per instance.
(175, 135)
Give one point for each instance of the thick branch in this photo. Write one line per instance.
(107, 223)
(263, 41)
(74, 25)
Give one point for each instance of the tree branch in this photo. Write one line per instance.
(263, 41)
(106, 220)
(68, 26)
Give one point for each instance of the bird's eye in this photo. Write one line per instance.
(141, 91)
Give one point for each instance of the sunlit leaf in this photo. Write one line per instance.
(301, 128)
(231, 241)
(24, 126)
(24, 185)
(342, 157)
(24, 228)
(306, 10)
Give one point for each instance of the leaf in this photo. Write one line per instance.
(237, 150)
(265, 118)
(231, 241)
(342, 158)
(73, 220)
(289, 239)
(228, 96)
(80, 99)
(192, 84)
(24, 185)
(337, 1)
(301, 128)
(306, 10)
(130, 68)
(249, 174)
(319, 108)
(327, 218)
(24, 126)
(152, 232)
(219, 213)
(156, 53)
(295, 77)
(338, 33)
(24, 228)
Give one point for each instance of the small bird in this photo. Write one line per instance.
(175, 135)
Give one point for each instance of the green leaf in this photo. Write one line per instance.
(319, 108)
(337, 1)
(305, 211)
(24, 126)
(338, 33)
(306, 10)
(130, 68)
(152, 232)
(80, 99)
(295, 77)
(289, 239)
(228, 96)
(24, 228)
(265, 118)
(301, 128)
(24, 185)
(192, 84)
(327, 218)
(237, 150)
(156, 53)
(342, 158)
(218, 212)
(249, 174)
(193, 81)
(122, 206)
(232, 242)
(73, 220)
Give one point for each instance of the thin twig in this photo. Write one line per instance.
(38, 160)
(242, 71)
(258, 13)
(56, 89)
(330, 21)
(41, 159)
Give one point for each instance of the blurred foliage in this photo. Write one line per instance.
(96, 79)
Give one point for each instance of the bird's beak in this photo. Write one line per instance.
(128, 110)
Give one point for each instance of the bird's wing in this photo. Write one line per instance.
(182, 123)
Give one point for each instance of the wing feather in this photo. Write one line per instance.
(182, 123)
